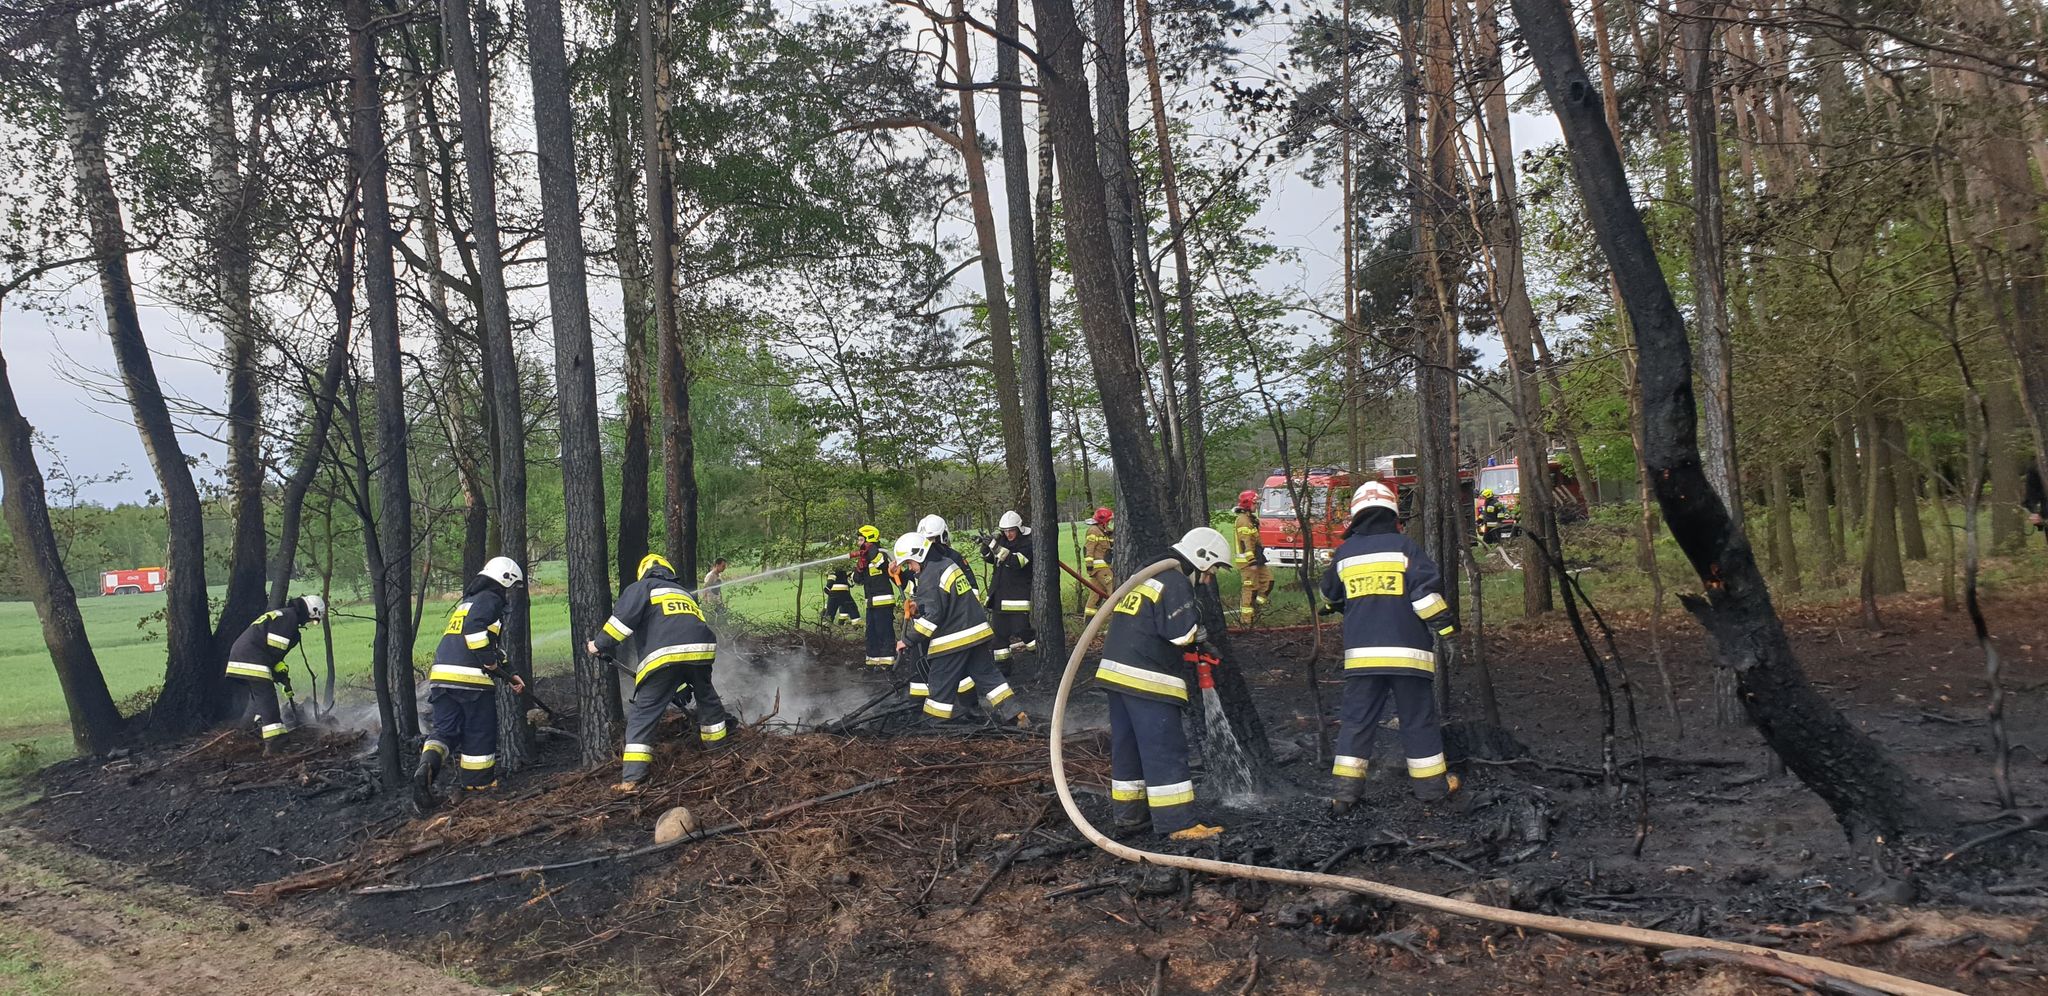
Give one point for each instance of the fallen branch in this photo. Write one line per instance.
(2034, 822)
(1023, 837)
(335, 874)
(701, 835)
(1769, 966)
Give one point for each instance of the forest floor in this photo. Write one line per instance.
(903, 887)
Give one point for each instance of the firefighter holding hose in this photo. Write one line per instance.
(950, 628)
(872, 566)
(256, 662)
(468, 662)
(1152, 634)
(1256, 584)
(676, 648)
(1390, 593)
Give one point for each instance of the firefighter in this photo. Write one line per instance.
(1143, 671)
(468, 661)
(951, 628)
(939, 542)
(872, 566)
(1490, 512)
(675, 648)
(1009, 588)
(909, 656)
(1391, 595)
(256, 662)
(1095, 552)
(1249, 556)
(839, 605)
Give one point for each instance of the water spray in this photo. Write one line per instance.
(776, 572)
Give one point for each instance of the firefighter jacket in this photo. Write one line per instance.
(1009, 579)
(1095, 548)
(258, 654)
(949, 617)
(1249, 550)
(837, 581)
(666, 621)
(470, 643)
(1391, 593)
(871, 565)
(1149, 632)
(1490, 511)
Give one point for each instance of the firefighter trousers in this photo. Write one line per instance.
(1012, 626)
(466, 721)
(1422, 735)
(1148, 763)
(840, 607)
(1255, 588)
(259, 708)
(651, 699)
(881, 636)
(1104, 579)
(958, 673)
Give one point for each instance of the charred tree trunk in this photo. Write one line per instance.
(391, 667)
(1034, 367)
(590, 593)
(634, 305)
(96, 726)
(1112, 146)
(232, 201)
(1868, 792)
(369, 158)
(292, 509)
(192, 674)
(507, 418)
(678, 445)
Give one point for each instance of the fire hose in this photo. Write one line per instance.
(1565, 926)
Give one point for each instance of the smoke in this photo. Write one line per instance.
(753, 680)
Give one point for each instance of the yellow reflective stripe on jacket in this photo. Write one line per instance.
(678, 653)
(477, 640)
(1431, 605)
(1356, 658)
(1141, 679)
(278, 641)
(240, 670)
(459, 674)
(617, 630)
(965, 638)
(878, 601)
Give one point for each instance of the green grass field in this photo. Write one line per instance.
(127, 635)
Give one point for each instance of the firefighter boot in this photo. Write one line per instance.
(423, 776)
(1349, 791)
(1436, 788)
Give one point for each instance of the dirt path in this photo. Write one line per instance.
(72, 924)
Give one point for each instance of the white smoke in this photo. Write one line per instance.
(753, 680)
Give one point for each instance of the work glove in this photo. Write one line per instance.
(1001, 552)
(1331, 609)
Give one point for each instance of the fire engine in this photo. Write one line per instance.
(1329, 496)
(1505, 481)
(135, 582)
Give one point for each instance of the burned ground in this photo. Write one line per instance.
(902, 887)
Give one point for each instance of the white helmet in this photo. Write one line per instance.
(912, 547)
(932, 527)
(1011, 520)
(503, 570)
(316, 607)
(1205, 548)
(1373, 494)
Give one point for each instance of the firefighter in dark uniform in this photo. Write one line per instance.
(468, 661)
(909, 655)
(1490, 512)
(939, 546)
(1009, 588)
(1095, 554)
(1143, 670)
(839, 604)
(257, 665)
(1249, 557)
(675, 647)
(1391, 595)
(951, 628)
(2036, 500)
(871, 566)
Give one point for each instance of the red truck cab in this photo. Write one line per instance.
(1505, 481)
(135, 582)
(1329, 510)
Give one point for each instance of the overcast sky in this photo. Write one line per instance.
(62, 365)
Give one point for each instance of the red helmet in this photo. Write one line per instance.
(1247, 500)
(1103, 515)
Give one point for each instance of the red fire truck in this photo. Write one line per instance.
(1329, 495)
(1505, 481)
(135, 582)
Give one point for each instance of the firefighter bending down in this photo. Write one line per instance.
(1390, 593)
(676, 647)
(257, 663)
(839, 605)
(871, 565)
(468, 662)
(1143, 670)
(1249, 556)
(1095, 553)
(950, 627)
(1009, 588)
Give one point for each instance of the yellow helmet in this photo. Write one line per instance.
(651, 561)
(1488, 493)
(870, 534)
